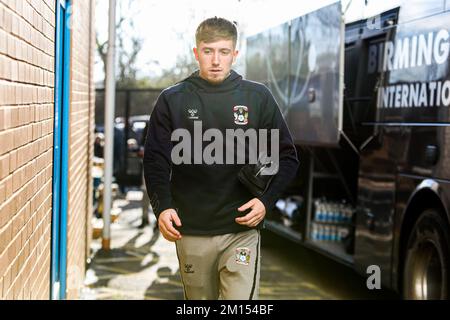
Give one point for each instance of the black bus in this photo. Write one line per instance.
(368, 105)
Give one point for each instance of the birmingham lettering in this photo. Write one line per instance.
(422, 94)
(409, 52)
(424, 49)
(235, 139)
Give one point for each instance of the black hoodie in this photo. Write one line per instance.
(206, 196)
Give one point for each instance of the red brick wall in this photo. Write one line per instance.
(27, 30)
(81, 144)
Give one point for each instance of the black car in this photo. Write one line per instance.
(127, 144)
(128, 170)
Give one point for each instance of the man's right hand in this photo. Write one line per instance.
(165, 224)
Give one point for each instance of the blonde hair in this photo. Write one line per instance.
(214, 29)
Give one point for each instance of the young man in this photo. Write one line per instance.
(200, 204)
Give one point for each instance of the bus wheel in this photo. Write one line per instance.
(426, 269)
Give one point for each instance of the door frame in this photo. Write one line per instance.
(60, 183)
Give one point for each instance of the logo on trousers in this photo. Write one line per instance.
(188, 268)
(243, 256)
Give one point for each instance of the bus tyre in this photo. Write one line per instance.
(426, 269)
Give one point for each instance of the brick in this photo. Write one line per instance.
(6, 282)
(4, 241)
(6, 143)
(10, 295)
(2, 117)
(7, 117)
(18, 177)
(10, 93)
(1, 287)
(14, 117)
(26, 290)
(12, 160)
(14, 66)
(21, 159)
(8, 188)
(14, 270)
(10, 251)
(15, 25)
(3, 264)
(2, 193)
(3, 42)
(3, 62)
(4, 166)
(20, 295)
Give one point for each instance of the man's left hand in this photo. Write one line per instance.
(255, 216)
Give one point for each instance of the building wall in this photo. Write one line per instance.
(27, 35)
(81, 144)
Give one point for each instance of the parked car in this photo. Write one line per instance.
(129, 164)
(127, 149)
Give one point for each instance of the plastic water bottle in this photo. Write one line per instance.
(333, 233)
(326, 211)
(323, 212)
(335, 212)
(339, 214)
(329, 212)
(338, 234)
(314, 233)
(318, 213)
(327, 233)
(320, 233)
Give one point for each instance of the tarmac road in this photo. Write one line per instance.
(291, 271)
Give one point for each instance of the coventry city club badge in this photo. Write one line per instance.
(243, 256)
(240, 115)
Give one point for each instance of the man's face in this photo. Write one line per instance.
(215, 59)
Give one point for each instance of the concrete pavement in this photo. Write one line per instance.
(143, 265)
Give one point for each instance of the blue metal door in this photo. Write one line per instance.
(60, 151)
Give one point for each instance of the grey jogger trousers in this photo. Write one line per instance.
(220, 267)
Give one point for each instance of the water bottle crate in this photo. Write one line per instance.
(332, 212)
(329, 232)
